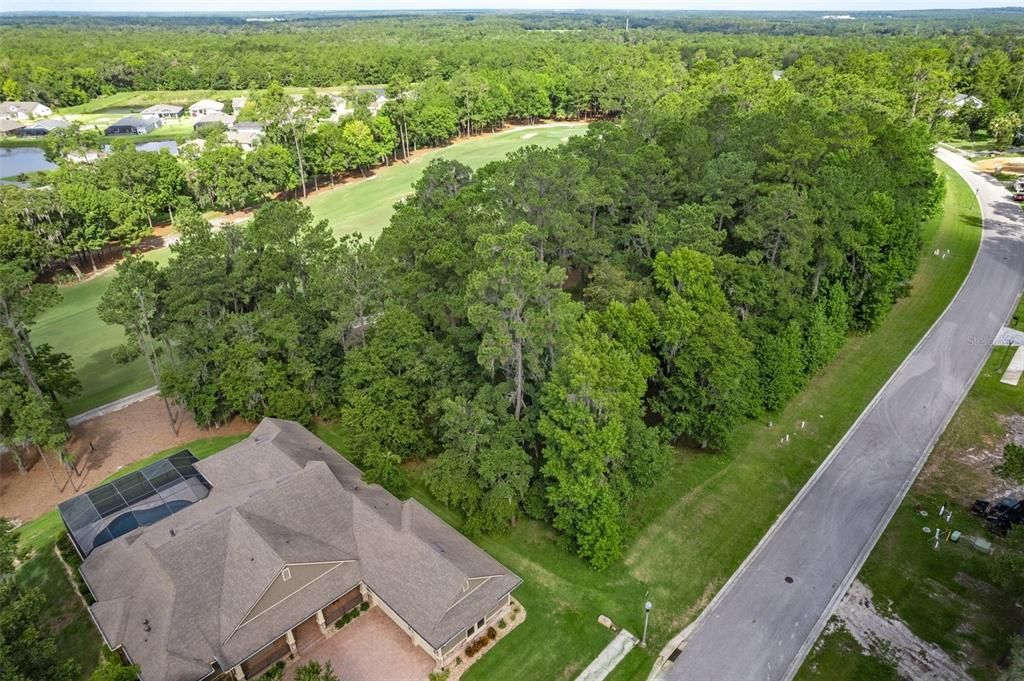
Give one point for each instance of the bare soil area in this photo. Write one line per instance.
(974, 468)
(1006, 164)
(891, 638)
(102, 446)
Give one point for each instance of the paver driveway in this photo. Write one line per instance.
(370, 648)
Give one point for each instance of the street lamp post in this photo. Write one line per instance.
(647, 615)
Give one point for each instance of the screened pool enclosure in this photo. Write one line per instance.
(133, 500)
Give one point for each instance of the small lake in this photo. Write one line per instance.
(15, 161)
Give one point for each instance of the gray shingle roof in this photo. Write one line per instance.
(177, 594)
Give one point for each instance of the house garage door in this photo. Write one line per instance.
(266, 657)
(334, 611)
(307, 633)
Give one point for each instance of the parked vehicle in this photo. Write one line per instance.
(1001, 515)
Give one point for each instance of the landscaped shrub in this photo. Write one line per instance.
(1013, 462)
(352, 614)
(476, 646)
(112, 669)
(502, 623)
(275, 672)
(440, 676)
(491, 633)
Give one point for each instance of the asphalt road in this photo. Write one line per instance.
(766, 618)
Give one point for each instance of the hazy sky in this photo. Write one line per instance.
(273, 5)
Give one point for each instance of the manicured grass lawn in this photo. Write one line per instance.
(77, 637)
(73, 327)
(366, 206)
(707, 511)
(950, 597)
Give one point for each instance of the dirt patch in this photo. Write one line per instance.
(1005, 164)
(102, 446)
(889, 636)
(974, 468)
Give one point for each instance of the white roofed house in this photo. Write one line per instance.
(246, 134)
(961, 100)
(376, 105)
(23, 111)
(162, 111)
(205, 107)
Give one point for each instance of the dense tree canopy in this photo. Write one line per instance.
(540, 329)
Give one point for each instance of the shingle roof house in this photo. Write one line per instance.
(162, 111)
(288, 539)
(42, 128)
(133, 125)
(23, 110)
(205, 106)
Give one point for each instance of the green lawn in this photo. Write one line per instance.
(77, 637)
(364, 205)
(952, 597)
(73, 327)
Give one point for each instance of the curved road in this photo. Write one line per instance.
(763, 622)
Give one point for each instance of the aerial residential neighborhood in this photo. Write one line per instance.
(511, 343)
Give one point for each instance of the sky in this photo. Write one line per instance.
(851, 6)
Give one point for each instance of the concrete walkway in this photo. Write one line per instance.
(1015, 369)
(763, 622)
(610, 657)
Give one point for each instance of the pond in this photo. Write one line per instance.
(15, 161)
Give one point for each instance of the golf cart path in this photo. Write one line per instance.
(763, 622)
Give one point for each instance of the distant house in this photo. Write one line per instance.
(213, 119)
(162, 111)
(245, 134)
(959, 101)
(90, 156)
(205, 107)
(42, 128)
(10, 127)
(23, 111)
(375, 105)
(221, 567)
(133, 125)
(237, 104)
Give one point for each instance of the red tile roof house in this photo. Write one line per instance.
(287, 540)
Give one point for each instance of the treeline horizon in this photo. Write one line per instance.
(68, 61)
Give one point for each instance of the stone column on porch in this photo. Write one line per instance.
(321, 621)
(237, 672)
(290, 637)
